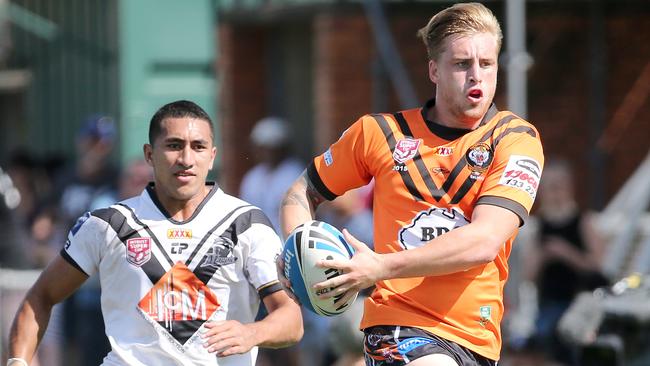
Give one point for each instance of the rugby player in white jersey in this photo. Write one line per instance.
(183, 266)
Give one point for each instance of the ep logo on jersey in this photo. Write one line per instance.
(138, 251)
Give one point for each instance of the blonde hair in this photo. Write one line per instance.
(462, 19)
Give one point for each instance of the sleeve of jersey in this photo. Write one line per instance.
(515, 173)
(83, 246)
(344, 165)
(263, 246)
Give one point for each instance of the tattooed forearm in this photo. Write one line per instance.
(295, 199)
(303, 194)
(297, 206)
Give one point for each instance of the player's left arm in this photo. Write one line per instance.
(282, 327)
(460, 249)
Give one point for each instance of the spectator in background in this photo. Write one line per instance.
(45, 231)
(92, 175)
(265, 184)
(12, 253)
(133, 179)
(566, 258)
(93, 172)
(35, 218)
(22, 169)
(28, 228)
(13, 210)
(32, 235)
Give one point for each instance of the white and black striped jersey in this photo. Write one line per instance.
(162, 279)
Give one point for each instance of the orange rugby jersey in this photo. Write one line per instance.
(428, 179)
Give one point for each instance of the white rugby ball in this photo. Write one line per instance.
(307, 244)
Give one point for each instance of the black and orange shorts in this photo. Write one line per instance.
(390, 345)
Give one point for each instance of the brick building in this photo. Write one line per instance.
(317, 64)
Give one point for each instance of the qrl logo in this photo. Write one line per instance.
(138, 251)
(405, 149)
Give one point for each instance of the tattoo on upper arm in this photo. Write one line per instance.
(303, 194)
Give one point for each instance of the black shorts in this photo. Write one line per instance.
(389, 345)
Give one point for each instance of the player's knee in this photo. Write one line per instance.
(434, 360)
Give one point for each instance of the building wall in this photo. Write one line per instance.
(561, 93)
(342, 74)
(242, 97)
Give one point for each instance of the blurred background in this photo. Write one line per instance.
(80, 79)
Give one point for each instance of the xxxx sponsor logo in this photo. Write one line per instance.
(444, 150)
(179, 233)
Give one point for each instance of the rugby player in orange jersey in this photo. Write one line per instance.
(454, 180)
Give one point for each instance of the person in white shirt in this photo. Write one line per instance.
(183, 266)
(265, 183)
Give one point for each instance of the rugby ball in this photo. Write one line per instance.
(307, 244)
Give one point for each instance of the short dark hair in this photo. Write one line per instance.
(177, 109)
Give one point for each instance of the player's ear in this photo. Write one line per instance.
(214, 155)
(147, 150)
(433, 71)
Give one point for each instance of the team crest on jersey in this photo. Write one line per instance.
(138, 251)
(179, 303)
(220, 254)
(405, 149)
(479, 157)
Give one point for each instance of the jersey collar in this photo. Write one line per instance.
(152, 195)
(450, 133)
